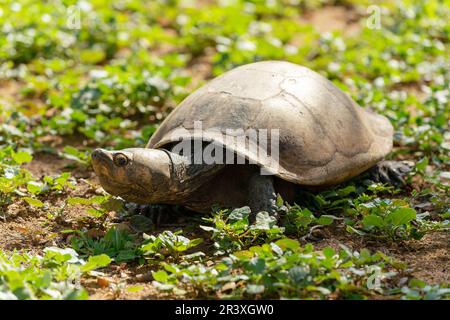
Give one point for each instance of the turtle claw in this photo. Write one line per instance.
(391, 172)
(155, 213)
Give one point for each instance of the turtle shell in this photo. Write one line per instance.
(324, 137)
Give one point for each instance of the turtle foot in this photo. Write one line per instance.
(159, 215)
(391, 172)
(154, 214)
(262, 196)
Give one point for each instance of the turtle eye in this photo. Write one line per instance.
(120, 160)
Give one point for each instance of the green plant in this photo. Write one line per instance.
(51, 276)
(167, 245)
(232, 229)
(280, 269)
(419, 290)
(117, 244)
(302, 221)
(97, 206)
(390, 219)
(12, 176)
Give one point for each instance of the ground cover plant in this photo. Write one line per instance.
(79, 75)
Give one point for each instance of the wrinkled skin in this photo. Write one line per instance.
(151, 176)
(157, 176)
(133, 174)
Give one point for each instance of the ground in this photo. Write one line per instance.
(409, 86)
(428, 259)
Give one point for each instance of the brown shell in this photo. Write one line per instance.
(324, 136)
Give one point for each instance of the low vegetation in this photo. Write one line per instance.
(79, 75)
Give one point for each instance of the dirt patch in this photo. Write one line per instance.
(200, 69)
(28, 231)
(427, 259)
(9, 91)
(25, 227)
(334, 18)
(47, 164)
(125, 282)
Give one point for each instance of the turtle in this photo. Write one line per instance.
(319, 137)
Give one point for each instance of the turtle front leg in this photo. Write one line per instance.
(262, 195)
(390, 172)
(157, 214)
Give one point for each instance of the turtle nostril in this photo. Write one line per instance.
(98, 154)
(95, 153)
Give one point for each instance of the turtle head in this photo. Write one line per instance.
(138, 175)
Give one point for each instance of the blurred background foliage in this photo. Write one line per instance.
(104, 68)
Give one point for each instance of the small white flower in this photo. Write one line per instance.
(123, 36)
(84, 6)
(46, 18)
(276, 42)
(98, 73)
(223, 40)
(16, 7)
(339, 43)
(334, 66)
(182, 19)
(246, 45)
(158, 82)
(249, 7)
(290, 49)
(379, 82)
(442, 96)
(394, 64)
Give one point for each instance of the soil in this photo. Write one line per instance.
(23, 227)
(427, 259)
(334, 18)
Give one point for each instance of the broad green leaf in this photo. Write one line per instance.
(95, 262)
(78, 200)
(33, 202)
(373, 220)
(21, 157)
(325, 220)
(256, 265)
(239, 213)
(264, 221)
(328, 252)
(135, 288)
(287, 243)
(401, 216)
(422, 164)
(160, 276)
(243, 254)
(34, 187)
